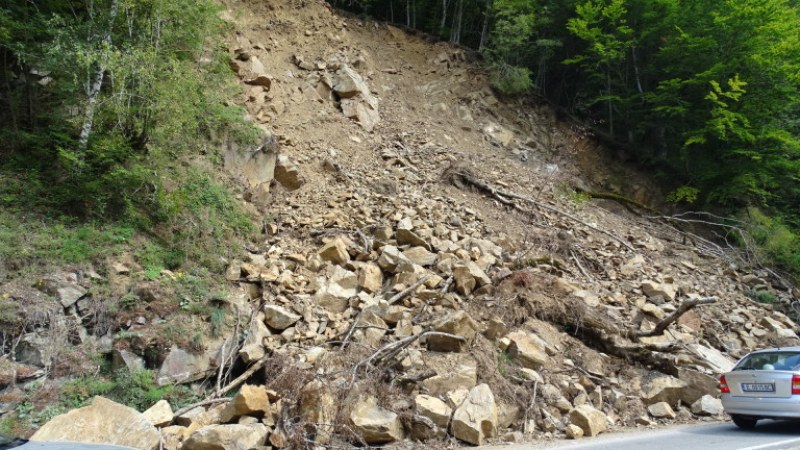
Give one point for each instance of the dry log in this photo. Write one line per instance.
(667, 321)
(402, 294)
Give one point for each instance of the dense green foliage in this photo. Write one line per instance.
(103, 104)
(705, 92)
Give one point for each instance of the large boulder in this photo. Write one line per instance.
(712, 358)
(654, 289)
(253, 346)
(347, 83)
(159, 414)
(64, 287)
(278, 317)
(374, 424)
(459, 324)
(527, 349)
(453, 371)
(335, 251)
(661, 410)
(318, 406)
(663, 389)
(707, 406)
(181, 366)
(287, 173)
(370, 278)
(250, 400)
(436, 410)
(227, 437)
(591, 420)
(333, 296)
(698, 384)
(101, 422)
(476, 418)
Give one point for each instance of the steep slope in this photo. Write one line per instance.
(427, 270)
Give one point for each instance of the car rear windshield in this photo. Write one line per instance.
(770, 361)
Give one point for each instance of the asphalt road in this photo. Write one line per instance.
(768, 435)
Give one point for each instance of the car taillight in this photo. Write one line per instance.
(796, 385)
(723, 385)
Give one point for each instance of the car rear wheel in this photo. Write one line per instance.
(744, 423)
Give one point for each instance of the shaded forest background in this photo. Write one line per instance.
(704, 93)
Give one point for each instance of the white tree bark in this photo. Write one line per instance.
(93, 90)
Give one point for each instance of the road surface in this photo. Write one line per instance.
(768, 435)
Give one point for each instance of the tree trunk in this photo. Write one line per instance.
(443, 23)
(9, 97)
(484, 29)
(636, 70)
(610, 105)
(94, 88)
(455, 35)
(408, 13)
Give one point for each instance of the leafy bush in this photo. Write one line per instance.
(777, 242)
(511, 80)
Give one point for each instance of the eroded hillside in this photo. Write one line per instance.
(428, 273)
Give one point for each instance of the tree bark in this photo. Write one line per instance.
(485, 28)
(93, 89)
(443, 23)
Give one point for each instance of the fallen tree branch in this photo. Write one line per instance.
(580, 267)
(501, 196)
(402, 294)
(392, 349)
(208, 401)
(667, 321)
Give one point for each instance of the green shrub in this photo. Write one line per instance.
(136, 389)
(777, 243)
(765, 297)
(511, 80)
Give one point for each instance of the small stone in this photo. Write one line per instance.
(573, 431)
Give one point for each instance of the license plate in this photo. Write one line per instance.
(758, 387)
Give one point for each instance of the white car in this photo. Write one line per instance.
(765, 384)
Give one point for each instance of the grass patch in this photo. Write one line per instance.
(136, 389)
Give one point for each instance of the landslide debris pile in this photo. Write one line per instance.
(423, 277)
